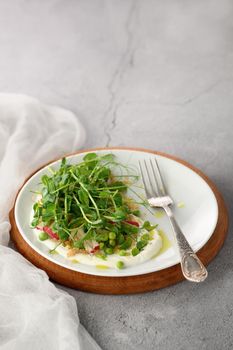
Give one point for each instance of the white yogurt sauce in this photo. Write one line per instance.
(150, 250)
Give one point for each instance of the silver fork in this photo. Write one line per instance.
(157, 196)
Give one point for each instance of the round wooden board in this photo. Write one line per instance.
(132, 284)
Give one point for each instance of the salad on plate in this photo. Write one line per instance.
(84, 212)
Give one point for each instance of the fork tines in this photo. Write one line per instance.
(151, 176)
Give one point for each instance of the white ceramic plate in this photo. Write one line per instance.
(197, 216)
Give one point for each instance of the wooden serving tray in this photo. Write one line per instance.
(132, 284)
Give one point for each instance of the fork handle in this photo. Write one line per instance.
(191, 266)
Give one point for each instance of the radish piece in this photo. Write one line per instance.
(91, 246)
(49, 232)
(97, 247)
(131, 222)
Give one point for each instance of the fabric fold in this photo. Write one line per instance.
(34, 314)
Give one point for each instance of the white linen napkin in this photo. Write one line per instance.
(34, 314)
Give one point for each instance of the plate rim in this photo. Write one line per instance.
(100, 272)
(209, 182)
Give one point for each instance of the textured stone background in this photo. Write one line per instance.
(157, 74)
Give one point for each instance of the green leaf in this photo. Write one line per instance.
(147, 226)
(129, 229)
(102, 203)
(104, 194)
(108, 157)
(119, 215)
(79, 243)
(63, 162)
(46, 214)
(118, 200)
(34, 222)
(104, 173)
(145, 237)
(36, 206)
(120, 238)
(135, 251)
(51, 185)
(44, 191)
(127, 243)
(91, 160)
(121, 186)
(63, 235)
(76, 222)
(136, 212)
(90, 156)
(64, 179)
(141, 244)
(45, 180)
(50, 207)
(102, 236)
(83, 197)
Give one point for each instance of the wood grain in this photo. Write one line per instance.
(132, 284)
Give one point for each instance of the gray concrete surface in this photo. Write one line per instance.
(157, 74)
